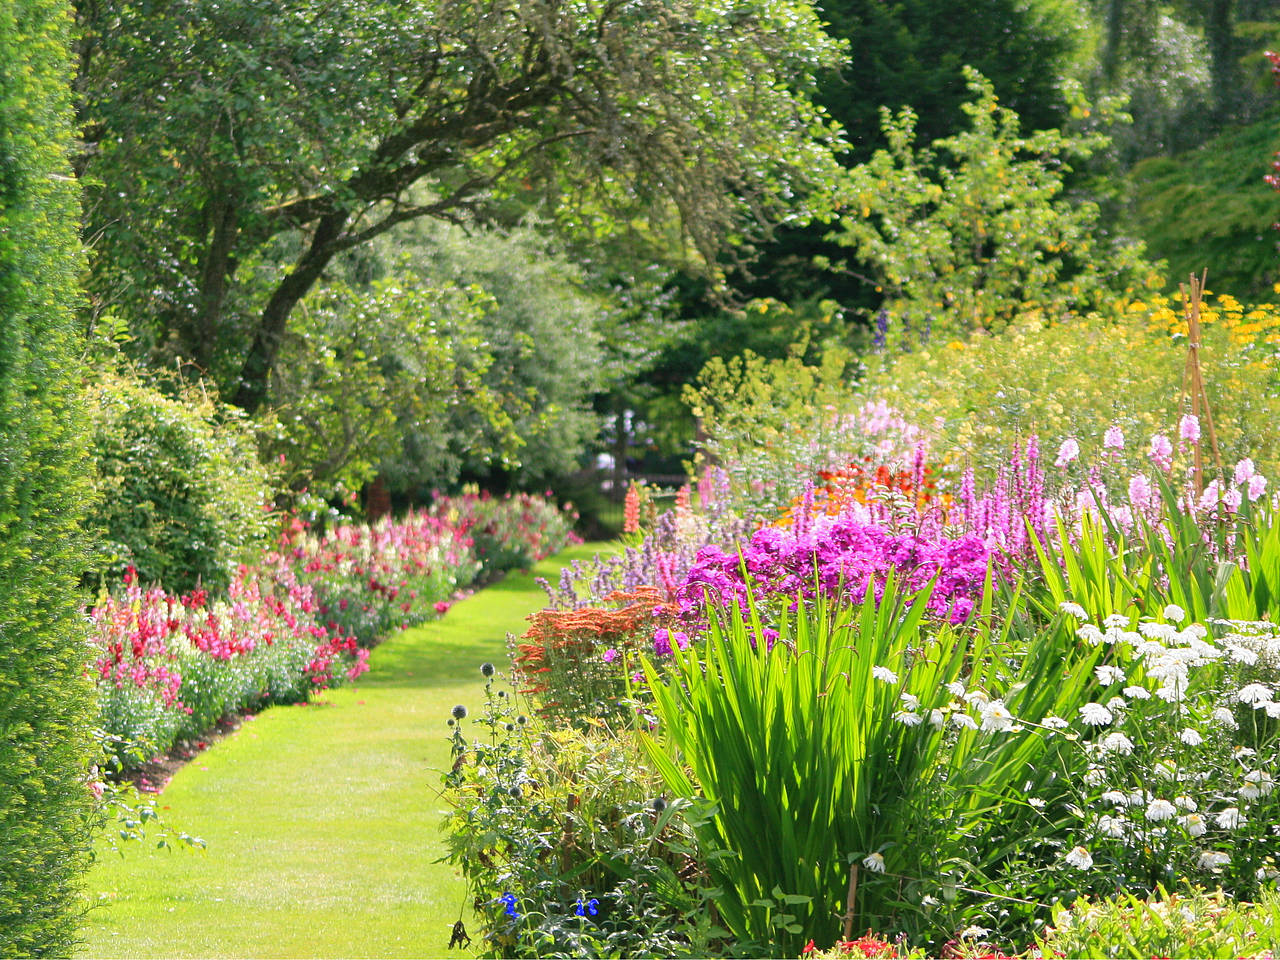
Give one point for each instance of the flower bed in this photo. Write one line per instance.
(983, 700)
(169, 666)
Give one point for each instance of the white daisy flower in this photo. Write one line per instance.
(1073, 610)
(910, 701)
(1095, 714)
(1116, 798)
(1224, 717)
(1094, 776)
(885, 674)
(1116, 620)
(956, 688)
(874, 862)
(1108, 674)
(1231, 819)
(1186, 803)
(1117, 742)
(1054, 723)
(1254, 694)
(1137, 693)
(1175, 613)
(1036, 803)
(1243, 655)
(1089, 634)
(908, 718)
(1080, 858)
(964, 720)
(1160, 810)
(1114, 827)
(1165, 770)
(1191, 737)
(1257, 783)
(973, 932)
(1194, 824)
(1212, 860)
(1156, 631)
(996, 717)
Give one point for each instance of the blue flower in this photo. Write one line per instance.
(508, 901)
(592, 907)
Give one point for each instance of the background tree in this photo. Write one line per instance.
(981, 231)
(45, 699)
(239, 148)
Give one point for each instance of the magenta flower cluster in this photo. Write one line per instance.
(837, 557)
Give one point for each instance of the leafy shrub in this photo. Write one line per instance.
(977, 238)
(1193, 924)
(567, 843)
(45, 700)
(182, 497)
(1052, 379)
(371, 579)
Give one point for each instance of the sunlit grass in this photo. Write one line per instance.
(322, 821)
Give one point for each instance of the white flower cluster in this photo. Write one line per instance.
(1169, 728)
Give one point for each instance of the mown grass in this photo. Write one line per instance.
(322, 820)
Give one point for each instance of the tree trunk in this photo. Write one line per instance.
(224, 214)
(1114, 40)
(255, 374)
(1220, 32)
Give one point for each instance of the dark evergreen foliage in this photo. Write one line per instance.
(45, 698)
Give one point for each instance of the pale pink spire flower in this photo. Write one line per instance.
(1068, 452)
(1161, 451)
(1189, 429)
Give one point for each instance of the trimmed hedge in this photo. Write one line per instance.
(46, 809)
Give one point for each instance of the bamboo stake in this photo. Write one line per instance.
(849, 901)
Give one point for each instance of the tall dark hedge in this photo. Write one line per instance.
(45, 699)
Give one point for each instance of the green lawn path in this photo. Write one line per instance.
(322, 820)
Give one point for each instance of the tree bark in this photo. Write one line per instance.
(256, 372)
(224, 214)
(1220, 32)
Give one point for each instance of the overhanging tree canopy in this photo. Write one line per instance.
(235, 148)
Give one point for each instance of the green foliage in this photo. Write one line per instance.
(1195, 924)
(799, 747)
(567, 844)
(539, 329)
(1207, 208)
(237, 149)
(367, 370)
(45, 698)
(182, 496)
(774, 422)
(987, 232)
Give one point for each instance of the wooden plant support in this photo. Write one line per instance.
(850, 900)
(1193, 376)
